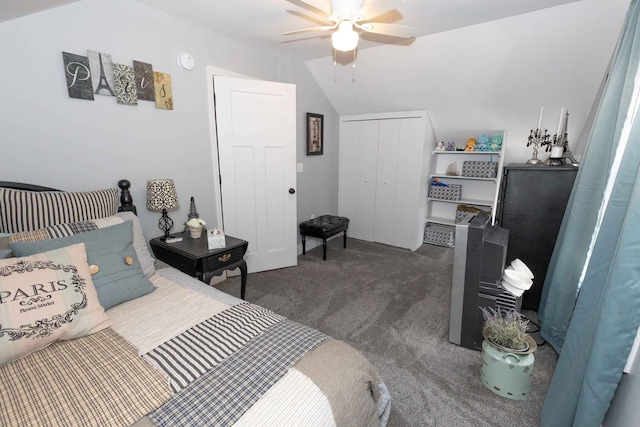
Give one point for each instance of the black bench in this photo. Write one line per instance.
(323, 227)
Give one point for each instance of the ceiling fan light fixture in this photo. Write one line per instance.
(345, 39)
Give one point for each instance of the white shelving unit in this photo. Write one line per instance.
(478, 192)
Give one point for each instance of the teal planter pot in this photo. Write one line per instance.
(507, 373)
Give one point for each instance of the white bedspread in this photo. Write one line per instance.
(145, 322)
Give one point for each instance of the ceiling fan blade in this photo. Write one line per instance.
(322, 36)
(388, 17)
(318, 20)
(393, 30)
(306, 30)
(375, 8)
(310, 7)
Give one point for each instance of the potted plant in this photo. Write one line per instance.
(507, 359)
(195, 226)
(506, 329)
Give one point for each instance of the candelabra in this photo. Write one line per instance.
(561, 144)
(537, 138)
(556, 150)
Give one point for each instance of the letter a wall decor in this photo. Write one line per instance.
(101, 68)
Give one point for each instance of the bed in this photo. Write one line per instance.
(94, 332)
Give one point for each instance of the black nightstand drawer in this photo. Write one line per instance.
(176, 260)
(222, 260)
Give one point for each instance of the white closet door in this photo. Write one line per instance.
(349, 159)
(383, 176)
(364, 221)
(385, 207)
(408, 188)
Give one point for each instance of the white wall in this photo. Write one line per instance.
(494, 75)
(51, 139)
(318, 182)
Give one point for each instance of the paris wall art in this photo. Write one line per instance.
(96, 74)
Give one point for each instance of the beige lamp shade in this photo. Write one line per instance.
(161, 194)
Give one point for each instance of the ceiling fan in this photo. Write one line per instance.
(347, 16)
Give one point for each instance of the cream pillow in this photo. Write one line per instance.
(45, 298)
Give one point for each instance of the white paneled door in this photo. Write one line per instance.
(256, 128)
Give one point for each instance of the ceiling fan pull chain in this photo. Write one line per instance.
(353, 77)
(335, 62)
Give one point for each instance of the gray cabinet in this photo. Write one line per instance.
(532, 202)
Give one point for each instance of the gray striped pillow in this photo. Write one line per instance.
(30, 210)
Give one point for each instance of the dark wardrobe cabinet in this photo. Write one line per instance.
(531, 205)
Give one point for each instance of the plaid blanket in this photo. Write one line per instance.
(223, 394)
(204, 346)
(64, 230)
(97, 380)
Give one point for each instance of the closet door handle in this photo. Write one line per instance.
(292, 191)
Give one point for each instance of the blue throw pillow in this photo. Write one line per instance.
(5, 252)
(119, 277)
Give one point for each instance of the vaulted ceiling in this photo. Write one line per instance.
(261, 22)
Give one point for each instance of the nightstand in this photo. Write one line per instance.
(193, 257)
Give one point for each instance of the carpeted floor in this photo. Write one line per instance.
(393, 306)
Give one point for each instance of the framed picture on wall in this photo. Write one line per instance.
(315, 133)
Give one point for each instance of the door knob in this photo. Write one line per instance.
(292, 191)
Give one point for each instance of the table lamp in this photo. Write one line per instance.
(161, 195)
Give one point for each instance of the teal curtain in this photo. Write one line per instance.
(590, 308)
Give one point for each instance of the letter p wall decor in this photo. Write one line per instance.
(78, 73)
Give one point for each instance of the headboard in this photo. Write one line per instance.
(126, 201)
(23, 186)
(28, 207)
